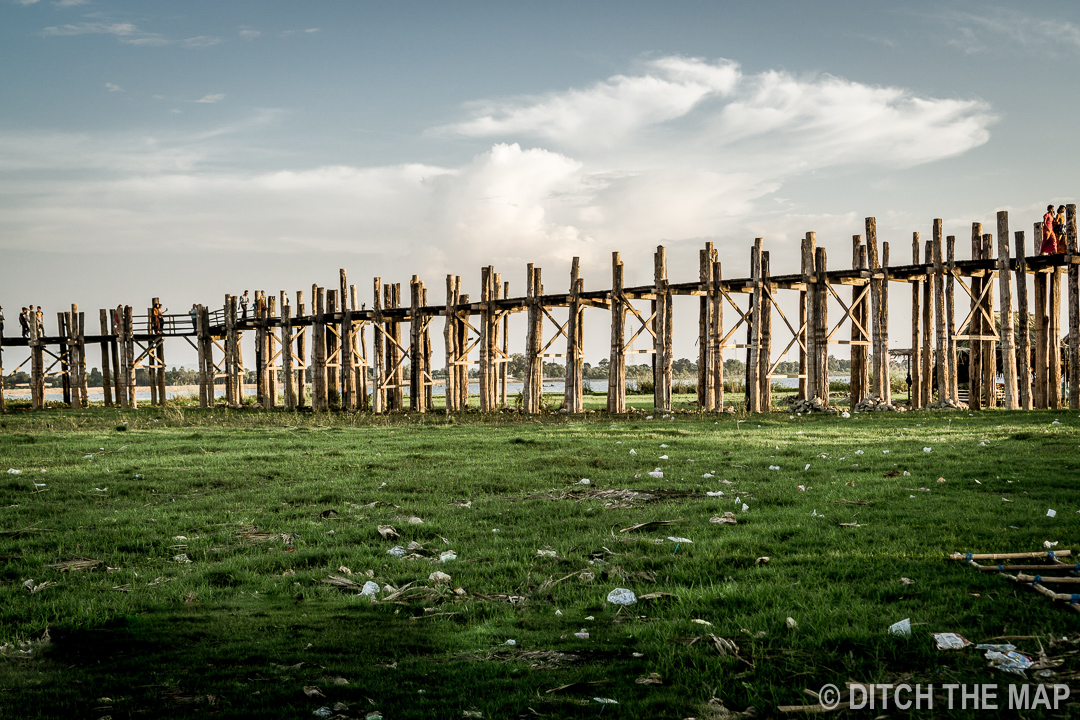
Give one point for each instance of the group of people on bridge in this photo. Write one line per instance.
(1053, 231)
(24, 320)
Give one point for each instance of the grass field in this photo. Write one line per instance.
(182, 563)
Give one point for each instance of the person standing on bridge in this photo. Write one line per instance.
(194, 314)
(1049, 239)
(40, 322)
(244, 300)
(24, 322)
(1059, 228)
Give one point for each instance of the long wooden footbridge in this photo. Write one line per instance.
(330, 338)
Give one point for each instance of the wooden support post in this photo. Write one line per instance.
(288, 381)
(878, 382)
(942, 380)
(301, 352)
(394, 350)
(915, 358)
(1054, 337)
(486, 339)
(84, 390)
(262, 354)
(765, 338)
(37, 363)
(429, 377)
(950, 316)
(115, 317)
(928, 359)
(616, 395)
(204, 346)
(706, 377)
(574, 338)
(463, 344)
(106, 375)
(809, 277)
(886, 383)
(417, 396)
(319, 392)
(1041, 386)
(1008, 353)
(989, 348)
(1074, 307)
(717, 334)
(504, 367)
(332, 357)
(534, 363)
(450, 343)
(231, 399)
(804, 335)
(663, 331)
(271, 345)
(378, 390)
(976, 327)
(1023, 327)
(821, 325)
(752, 381)
(860, 313)
(129, 357)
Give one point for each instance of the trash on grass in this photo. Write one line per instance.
(439, 577)
(901, 628)
(791, 623)
(396, 551)
(388, 532)
(657, 473)
(680, 539)
(1051, 513)
(950, 641)
(621, 596)
(371, 589)
(728, 518)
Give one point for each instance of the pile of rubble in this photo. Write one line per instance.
(947, 404)
(877, 404)
(814, 404)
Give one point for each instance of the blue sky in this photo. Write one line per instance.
(186, 150)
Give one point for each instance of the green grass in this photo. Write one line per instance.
(244, 627)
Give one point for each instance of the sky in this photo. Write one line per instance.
(189, 150)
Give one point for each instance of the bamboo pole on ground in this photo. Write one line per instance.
(1074, 307)
(1023, 351)
(1008, 353)
(616, 395)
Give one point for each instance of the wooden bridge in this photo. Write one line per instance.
(331, 338)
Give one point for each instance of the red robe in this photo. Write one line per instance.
(1049, 239)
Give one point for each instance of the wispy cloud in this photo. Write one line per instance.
(210, 99)
(69, 3)
(250, 33)
(113, 88)
(125, 32)
(24, 2)
(973, 32)
(200, 41)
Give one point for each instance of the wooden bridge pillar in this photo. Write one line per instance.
(1023, 339)
(534, 362)
(419, 369)
(488, 338)
(1054, 340)
(1008, 353)
(128, 346)
(575, 337)
(450, 334)
(820, 326)
(940, 344)
(106, 376)
(662, 327)
(950, 316)
(860, 329)
(977, 325)
(707, 340)
(616, 396)
(915, 356)
(808, 260)
(1074, 307)
(765, 337)
(319, 390)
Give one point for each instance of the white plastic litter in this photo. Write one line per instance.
(546, 553)
(884, 452)
(621, 596)
(606, 701)
(396, 551)
(583, 635)
(926, 449)
(680, 539)
(663, 457)
(745, 507)
(662, 445)
(13, 471)
(807, 466)
(101, 489)
(1051, 513)
(858, 452)
(791, 623)
(774, 467)
(181, 559)
(510, 642)
(708, 475)
(583, 481)
(633, 451)
(950, 641)
(657, 473)
(447, 556)
(439, 577)
(718, 493)
(845, 414)
(370, 589)
(901, 628)
(323, 712)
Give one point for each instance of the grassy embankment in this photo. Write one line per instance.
(214, 532)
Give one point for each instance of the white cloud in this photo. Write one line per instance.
(609, 111)
(312, 30)
(24, 2)
(210, 99)
(246, 32)
(69, 3)
(125, 32)
(113, 88)
(998, 27)
(201, 41)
